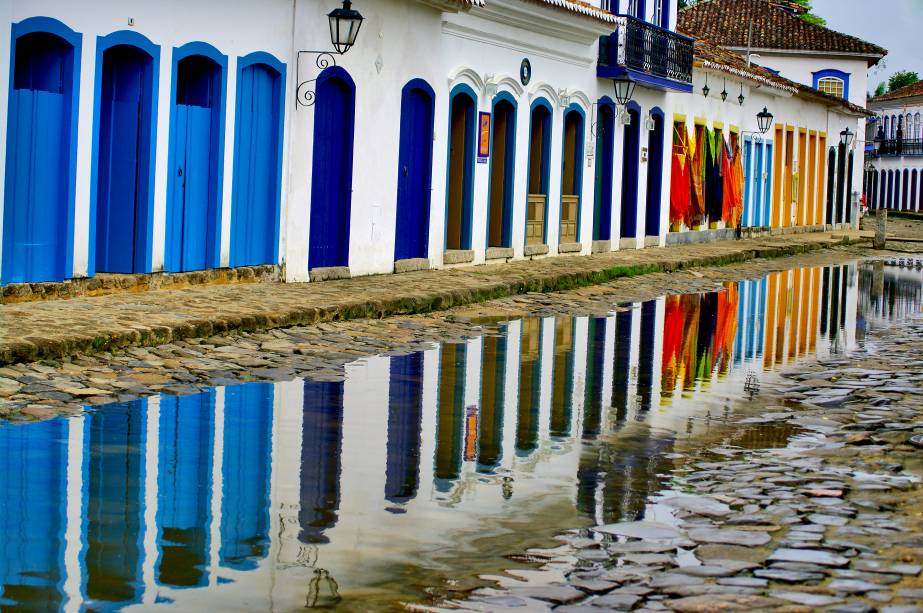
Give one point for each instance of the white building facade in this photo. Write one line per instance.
(146, 139)
(896, 167)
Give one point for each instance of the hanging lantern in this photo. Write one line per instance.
(846, 137)
(344, 27)
(624, 90)
(706, 89)
(741, 98)
(764, 120)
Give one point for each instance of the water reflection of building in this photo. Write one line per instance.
(890, 290)
(154, 497)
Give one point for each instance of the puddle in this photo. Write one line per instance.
(414, 471)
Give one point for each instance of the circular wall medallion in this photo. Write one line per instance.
(525, 71)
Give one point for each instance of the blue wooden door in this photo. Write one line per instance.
(35, 240)
(124, 134)
(630, 162)
(331, 182)
(756, 178)
(654, 179)
(192, 145)
(414, 175)
(767, 185)
(254, 219)
(602, 210)
(748, 184)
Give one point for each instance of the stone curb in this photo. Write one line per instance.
(407, 302)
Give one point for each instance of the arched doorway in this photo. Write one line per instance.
(502, 172)
(197, 160)
(571, 175)
(257, 161)
(38, 215)
(462, 124)
(831, 185)
(605, 150)
(630, 162)
(332, 169)
(415, 171)
(124, 164)
(539, 171)
(904, 189)
(654, 176)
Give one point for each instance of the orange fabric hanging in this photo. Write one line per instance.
(727, 184)
(679, 188)
(739, 186)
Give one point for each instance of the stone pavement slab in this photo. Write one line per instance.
(57, 328)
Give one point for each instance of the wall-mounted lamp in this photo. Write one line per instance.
(649, 123)
(724, 92)
(741, 98)
(846, 137)
(764, 120)
(345, 23)
(624, 90)
(706, 89)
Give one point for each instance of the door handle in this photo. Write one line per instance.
(406, 172)
(180, 172)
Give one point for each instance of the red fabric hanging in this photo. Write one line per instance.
(680, 183)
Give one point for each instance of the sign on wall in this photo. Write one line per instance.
(483, 137)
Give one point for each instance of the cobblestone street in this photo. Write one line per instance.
(57, 328)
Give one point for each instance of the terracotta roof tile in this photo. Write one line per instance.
(914, 89)
(727, 22)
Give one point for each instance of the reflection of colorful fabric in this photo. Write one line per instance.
(725, 328)
(679, 188)
(691, 308)
(673, 325)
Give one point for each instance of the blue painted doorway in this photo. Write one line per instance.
(332, 178)
(654, 176)
(193, 237)
(630, 162)
(41, 126)
(502, 172)
(462, 125)
(605, 144)
(257, 165)
(415, 171)
(124, 161)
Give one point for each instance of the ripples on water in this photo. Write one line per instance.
(413, 470)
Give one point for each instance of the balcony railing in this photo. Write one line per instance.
(646, 48)
(896, 147)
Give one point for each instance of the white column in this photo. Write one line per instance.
(217, 492)
(151, 475)
(546, 393)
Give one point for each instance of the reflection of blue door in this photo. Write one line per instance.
(114, 499)
(321, 448)
(254, 217)
(414, 173)
(405, 415)
(33, 500)
(123, 163)
(184, 488)
(35, 218)
(332, 174)
(245, 475)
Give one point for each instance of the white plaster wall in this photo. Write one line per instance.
(801, 68)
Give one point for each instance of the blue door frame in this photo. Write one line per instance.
(605, 156)
(630, 171)
(41, 152)
(257, 191)
(196, 160)
(415, 170)
(654, 175)
(748, 182)
(509, 108)
(124, 149)
(541, 111)
(332, 164)
(767, 185)
(574, 113)
(462, 107)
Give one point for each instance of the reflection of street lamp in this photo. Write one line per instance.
(752, 385)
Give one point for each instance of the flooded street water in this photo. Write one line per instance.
(410, 475)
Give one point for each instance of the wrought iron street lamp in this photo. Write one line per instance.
(344, 26)
(706, 89)
(764, 120)
(345, 23)
(846, 137)
(624, 90)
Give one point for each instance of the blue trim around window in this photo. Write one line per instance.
(832, 72)
(171, 258)
(75, 40)
(103, 44)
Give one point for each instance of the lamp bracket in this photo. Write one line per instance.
(304, 92)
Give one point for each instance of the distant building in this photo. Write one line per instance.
(894, 176)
